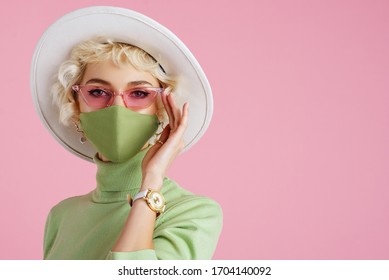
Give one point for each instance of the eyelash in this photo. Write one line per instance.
(144, 93)
(98, 92)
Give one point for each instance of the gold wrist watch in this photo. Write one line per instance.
(154, 200)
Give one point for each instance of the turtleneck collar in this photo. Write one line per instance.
(116, 180)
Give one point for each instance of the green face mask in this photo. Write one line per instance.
(117, 132)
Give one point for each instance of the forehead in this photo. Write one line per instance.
(117, 75)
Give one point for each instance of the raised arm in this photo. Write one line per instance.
(138, 230)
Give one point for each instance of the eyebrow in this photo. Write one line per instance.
(103, 82)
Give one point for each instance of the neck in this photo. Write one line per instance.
(102, 158)
(116, 180)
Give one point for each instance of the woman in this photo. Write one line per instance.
(117, 94)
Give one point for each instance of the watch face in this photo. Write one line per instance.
(156, 201)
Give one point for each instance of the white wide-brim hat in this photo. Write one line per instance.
(121, 25)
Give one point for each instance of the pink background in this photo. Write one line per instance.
(297, 152)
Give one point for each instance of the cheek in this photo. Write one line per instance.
(83, 107)
(151, 110)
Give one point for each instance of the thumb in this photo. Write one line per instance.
(164, 135)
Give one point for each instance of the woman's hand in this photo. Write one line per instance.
(162, 154)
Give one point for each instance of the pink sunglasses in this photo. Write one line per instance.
(98, 97)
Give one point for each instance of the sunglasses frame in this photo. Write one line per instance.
(78, 89)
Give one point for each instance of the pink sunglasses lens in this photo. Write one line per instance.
(96, 97)
(141, 97)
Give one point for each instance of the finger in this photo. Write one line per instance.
(185, 113)
(167, 108)
(184, 118)
(178, 134)
(175, 111)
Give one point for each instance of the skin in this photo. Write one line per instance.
(138, 229)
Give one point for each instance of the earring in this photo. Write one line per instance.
(158, 133)
(83, 138)
(160, 129)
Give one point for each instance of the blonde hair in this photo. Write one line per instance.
(92, 51)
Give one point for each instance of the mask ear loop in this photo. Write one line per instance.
(82, 138)
(159, 131)
(154, 139)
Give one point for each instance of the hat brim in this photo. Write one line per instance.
(126, 26)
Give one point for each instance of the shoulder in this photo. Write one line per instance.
(69, 205)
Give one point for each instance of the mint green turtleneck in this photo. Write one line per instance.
(87, 226)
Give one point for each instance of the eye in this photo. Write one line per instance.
(139, 94)
(98, 92)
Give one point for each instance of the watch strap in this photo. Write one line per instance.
(139, 195)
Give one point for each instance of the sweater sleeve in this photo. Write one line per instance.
(49, 235)
(189, 229)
